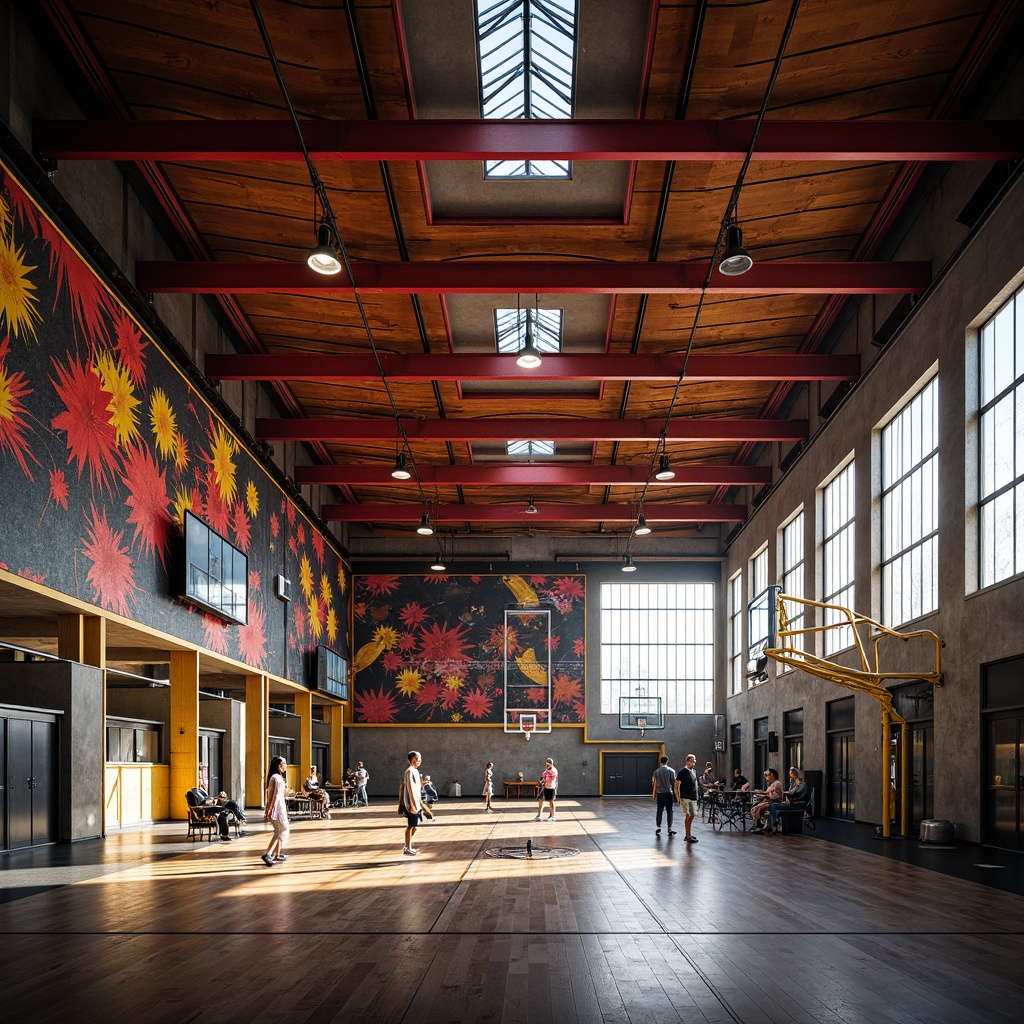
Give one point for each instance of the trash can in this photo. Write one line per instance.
(455, 789)
(937, 830)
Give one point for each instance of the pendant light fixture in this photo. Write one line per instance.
(531, 509)
(323, 257)
(627, 564)
(642, 529)
(529, 354)
(736, 260)
(401, 470)
(425, 529)
(665, 470)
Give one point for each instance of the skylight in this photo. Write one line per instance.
(546, 328)
(527, 58)
(529, 448)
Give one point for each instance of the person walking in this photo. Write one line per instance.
(548, 789)
(488, 786)
(663, 793)
(686, 794)
(362, 777)
(412, 801)
(276, 811)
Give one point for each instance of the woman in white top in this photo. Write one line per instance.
(276, 811)
(488, 785)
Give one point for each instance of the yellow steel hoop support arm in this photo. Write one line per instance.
(866, 679)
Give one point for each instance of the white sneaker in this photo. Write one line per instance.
(550, 817)
(410, 852)
(537, 818)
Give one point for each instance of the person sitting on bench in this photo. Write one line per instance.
(319, 801)
(208, 806)
(794, 799)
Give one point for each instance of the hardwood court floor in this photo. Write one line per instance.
(634, 929)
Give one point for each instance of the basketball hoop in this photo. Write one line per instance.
(527, 723)
(527, 729)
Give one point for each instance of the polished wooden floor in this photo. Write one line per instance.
(635, 928)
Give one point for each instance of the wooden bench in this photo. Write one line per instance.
(298, 805)
(518, 784)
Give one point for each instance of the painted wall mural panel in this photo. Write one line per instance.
(103, 445)
(430, 649)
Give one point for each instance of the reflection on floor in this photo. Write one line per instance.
(834, 926)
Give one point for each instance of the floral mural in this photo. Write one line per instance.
(438, 649)
(104, 444)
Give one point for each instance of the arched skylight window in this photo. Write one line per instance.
(527, 56)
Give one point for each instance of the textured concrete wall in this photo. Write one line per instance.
(974, 272)
(77, 691)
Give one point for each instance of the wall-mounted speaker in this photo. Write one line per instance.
(773, 742)
(282, 588)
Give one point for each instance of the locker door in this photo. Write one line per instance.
(19, 772)
(44, 783)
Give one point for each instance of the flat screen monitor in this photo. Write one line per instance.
(216, 573)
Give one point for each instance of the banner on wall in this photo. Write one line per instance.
(432, 649)
(104, 445)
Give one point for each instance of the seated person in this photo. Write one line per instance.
(771, 795)
(795, 798)
(739, 781)
(708, 780)
(208, 807)
(429, 793)
(319, 801)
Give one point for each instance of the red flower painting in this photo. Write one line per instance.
(130, 347)
(376, 706)
(442, 643)
(477, 703)
(89, 301)
(91, 438)
(13, 415)
(252, 638)
(215, 634)
(111, 576)
(148, 501)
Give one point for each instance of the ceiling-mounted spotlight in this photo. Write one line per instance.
(438, 564)
(529, 354)
(627, 564)
(736, 260)
(642, 529)
(665, 470)
(401, 470)
(531, 509)
(323, 258)
(425, 529)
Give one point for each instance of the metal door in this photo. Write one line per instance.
(628, 774)
(19, 774)
(841, 779)
(1004, 789)
(3, 783)
(43, 782)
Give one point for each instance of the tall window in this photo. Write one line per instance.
(737, 660)
(837, 556)
(658, 638)
(910, 507)
(792, 578)
(1001, 444)
(527, 51)
(757, 609)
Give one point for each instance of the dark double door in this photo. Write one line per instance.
(628, 774)
(1003, 823)
(28, 759)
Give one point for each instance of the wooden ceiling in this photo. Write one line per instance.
(656, 363)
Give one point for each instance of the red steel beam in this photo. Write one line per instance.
(422, 368)
(531, 139)
(596, 513)
(509, 276)
(513, 475)
(680, 429)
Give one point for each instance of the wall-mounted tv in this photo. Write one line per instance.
(216, 573)
(331, 673)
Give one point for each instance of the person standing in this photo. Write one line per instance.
(412, 801)
(548, 789)
(362, 777)
(488, 786)
(686, 794)
(276, 811)
(663, 792)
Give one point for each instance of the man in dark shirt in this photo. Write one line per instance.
(662, 785)
(686, 794)
(208, 807)
(739, 781)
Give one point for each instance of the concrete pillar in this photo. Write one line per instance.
(304, 710)
(257, 732)
(184, 729)
(337, 765)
